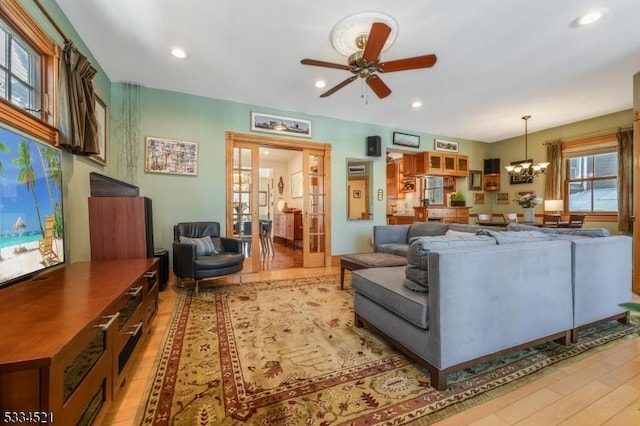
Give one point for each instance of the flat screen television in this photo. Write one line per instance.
(31, 221)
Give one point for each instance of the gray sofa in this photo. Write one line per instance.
(488, 298)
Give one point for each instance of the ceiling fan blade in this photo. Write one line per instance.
(324, 64)
(376, 40)
(426, 61)
(378, 86)
(338, 86)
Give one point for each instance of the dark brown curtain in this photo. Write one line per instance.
(625, 180)
(77, 124)
(553, 179)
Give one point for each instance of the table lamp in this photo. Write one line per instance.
(554, 206)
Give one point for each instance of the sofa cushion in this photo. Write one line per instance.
(417, 270)
(385, 287)
(426, 229)
(515, 237)
(204, 245)
(583, 232)
(397, 249)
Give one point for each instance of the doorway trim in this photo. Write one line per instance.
(232, 138)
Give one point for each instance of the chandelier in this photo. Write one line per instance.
(526, 169)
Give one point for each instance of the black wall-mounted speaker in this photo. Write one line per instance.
(492, 166)
(374, 146)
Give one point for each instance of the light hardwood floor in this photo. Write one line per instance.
(601, 389)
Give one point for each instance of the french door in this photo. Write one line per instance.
(242, 200)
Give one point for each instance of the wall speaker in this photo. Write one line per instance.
(374, 146)
(492, 166)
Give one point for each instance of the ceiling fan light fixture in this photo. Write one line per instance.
(321, 84)
(416, 104)
(349, 33)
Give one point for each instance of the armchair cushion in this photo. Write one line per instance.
(204, 245)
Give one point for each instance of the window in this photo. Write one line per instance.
(20, 70)
(592, 182)
(28, 65)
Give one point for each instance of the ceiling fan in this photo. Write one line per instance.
(366, 63)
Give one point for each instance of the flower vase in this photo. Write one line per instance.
(529, 213)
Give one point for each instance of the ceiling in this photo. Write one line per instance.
(497, 59)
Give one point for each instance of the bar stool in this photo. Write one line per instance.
(266, 239)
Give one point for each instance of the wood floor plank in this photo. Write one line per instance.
(567, 406)
(528, 406)
(605, 408)
(630, 415)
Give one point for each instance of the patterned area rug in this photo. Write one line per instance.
(286, 352)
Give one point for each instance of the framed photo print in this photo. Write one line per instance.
(170, 156)
(262, 198)
(280, 125)
(296, 185)
(478, 198)
(404, 139)
(502, 198)
(445, 146)
(103, 132)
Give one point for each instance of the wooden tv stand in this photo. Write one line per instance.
(67, 336)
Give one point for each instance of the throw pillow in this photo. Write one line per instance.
(417, 270)
(452, 232)
(204, 245)
(217, 245)
(426, 229)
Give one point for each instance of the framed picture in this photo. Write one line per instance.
(356, 193)
(520, 179)
(502, 198)
(262, 198)
(475, 180)
(478, 198)
(446, 146)
(296, 185)
(170, 156)
(406, 140)
(103, 132)
(280, 125)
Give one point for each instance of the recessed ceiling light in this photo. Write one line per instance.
(320, 84)
(589, 17)
(179, 53)
(416, 104)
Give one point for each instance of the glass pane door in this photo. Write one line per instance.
(244, 196)
(315, 215)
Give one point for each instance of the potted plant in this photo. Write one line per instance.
(457, 199)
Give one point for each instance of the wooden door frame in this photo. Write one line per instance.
(636, 203)
(277, 143)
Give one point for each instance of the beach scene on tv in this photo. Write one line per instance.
(31, 232)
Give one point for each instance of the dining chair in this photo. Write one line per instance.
(510, 217)
(576, 220)
(551, 221)
(484, 218)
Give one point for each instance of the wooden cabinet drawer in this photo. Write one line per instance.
(462, 213)
(448, 213)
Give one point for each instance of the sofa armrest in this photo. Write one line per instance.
(526, 294)
(390, 234)
(184, 256)
(232, 245)
(602, 269)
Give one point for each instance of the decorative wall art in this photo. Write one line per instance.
(103, 132)
(446, 146)
(478, 198)
(406, 140)
(262, 198)
(170, 156)
(475, 180)
(520, 178)
(357, 193)
(280, 125)
(502, 198)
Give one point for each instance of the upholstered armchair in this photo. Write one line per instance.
(199, 252)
